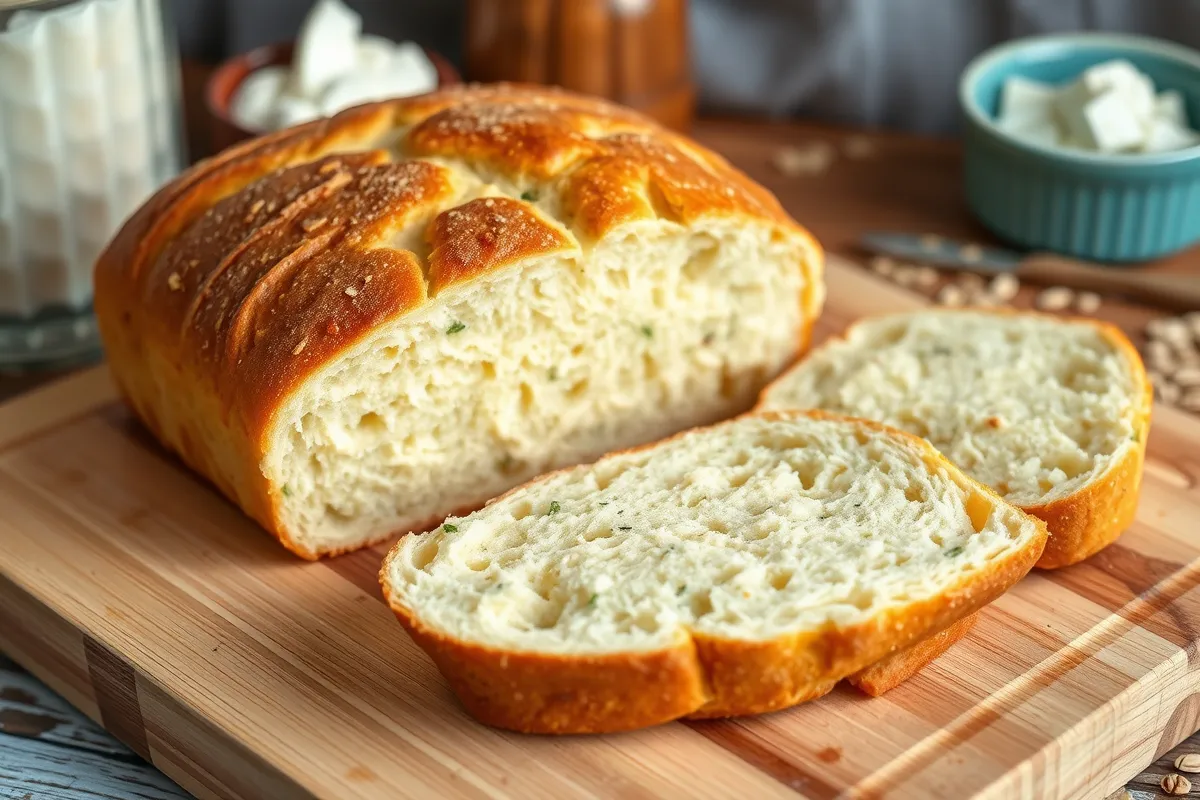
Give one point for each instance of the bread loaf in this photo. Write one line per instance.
(357, 326)
(1052, 413)
(731, 570)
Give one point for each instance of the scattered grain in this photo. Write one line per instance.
(1168, 392)
(905, 275)
(925, 277)
(1192, 318)
(810, 159)
(1056, 298)
(952, 295)
(1175, 784)
(970, 253)
(1188, 762)
(351, 291)
(312, 223)
(882, 265)
(1187, 377)
(1190, 400)
(300, 347)
(1087, 302)
(1161, 356)
(1169, 329)
(1004, 287)
(258, 204)
(174, 282)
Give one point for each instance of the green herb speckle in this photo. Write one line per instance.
(529, 195)
(1137, 435)
(592, 600)
(553, 373)
(554, 508)
(624, 527)
(448, 528)
(681, 590)
(941, 351)
(954, 551)
(603, 502)
(287, 490)
(456, 327)
(647, 331)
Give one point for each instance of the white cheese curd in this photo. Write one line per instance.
(1111, 107)
(335, 67)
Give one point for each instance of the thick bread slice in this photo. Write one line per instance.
(885, 675)
(360, 325)
(729, 570)
(1052, 413)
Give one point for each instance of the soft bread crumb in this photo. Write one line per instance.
(749, 530)
(1066, 393)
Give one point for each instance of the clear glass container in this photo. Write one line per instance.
(90, 125)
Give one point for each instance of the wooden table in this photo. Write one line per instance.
(890, 181)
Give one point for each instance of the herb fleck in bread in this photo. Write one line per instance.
(1051, 413)
(360, 325)
(730, 570)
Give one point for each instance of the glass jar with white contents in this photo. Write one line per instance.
(89, 127)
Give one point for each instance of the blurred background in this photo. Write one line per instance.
(891, 63)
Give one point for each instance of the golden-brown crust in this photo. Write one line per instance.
(1093, 517)
(701, 676)
(890, 672)
(238, 281)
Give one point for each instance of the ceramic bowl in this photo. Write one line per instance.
(1103, 207)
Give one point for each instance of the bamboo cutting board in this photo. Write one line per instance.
(149, 602)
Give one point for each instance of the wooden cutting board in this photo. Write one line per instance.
(149, 602)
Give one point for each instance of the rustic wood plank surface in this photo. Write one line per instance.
(50, 750)
(898, 182)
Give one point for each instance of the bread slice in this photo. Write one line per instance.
(730, 570)
(887, 674)
(361, 325)
(1051, 413)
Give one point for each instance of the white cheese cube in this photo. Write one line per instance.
(1036, 131)
(409, 73)
(23, 17)
(1169, 106)
(256, 97)
(1110, 124)
(292, 110)
(1025, 101)
(1163, 135)
(1108, 75)
(1139, 97)
(419, 73)
(326, 49)
(374, 53)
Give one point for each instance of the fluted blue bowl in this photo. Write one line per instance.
(1117, 208)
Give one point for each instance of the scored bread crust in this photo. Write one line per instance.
(240, 280)
(700, 676)
(1089, 519)
(887, 674)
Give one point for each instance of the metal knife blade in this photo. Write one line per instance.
(940, 251)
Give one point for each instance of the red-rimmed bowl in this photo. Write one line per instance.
(224, 82)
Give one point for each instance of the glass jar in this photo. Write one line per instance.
(89, 127)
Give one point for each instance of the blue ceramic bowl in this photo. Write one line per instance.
(1102, 207)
